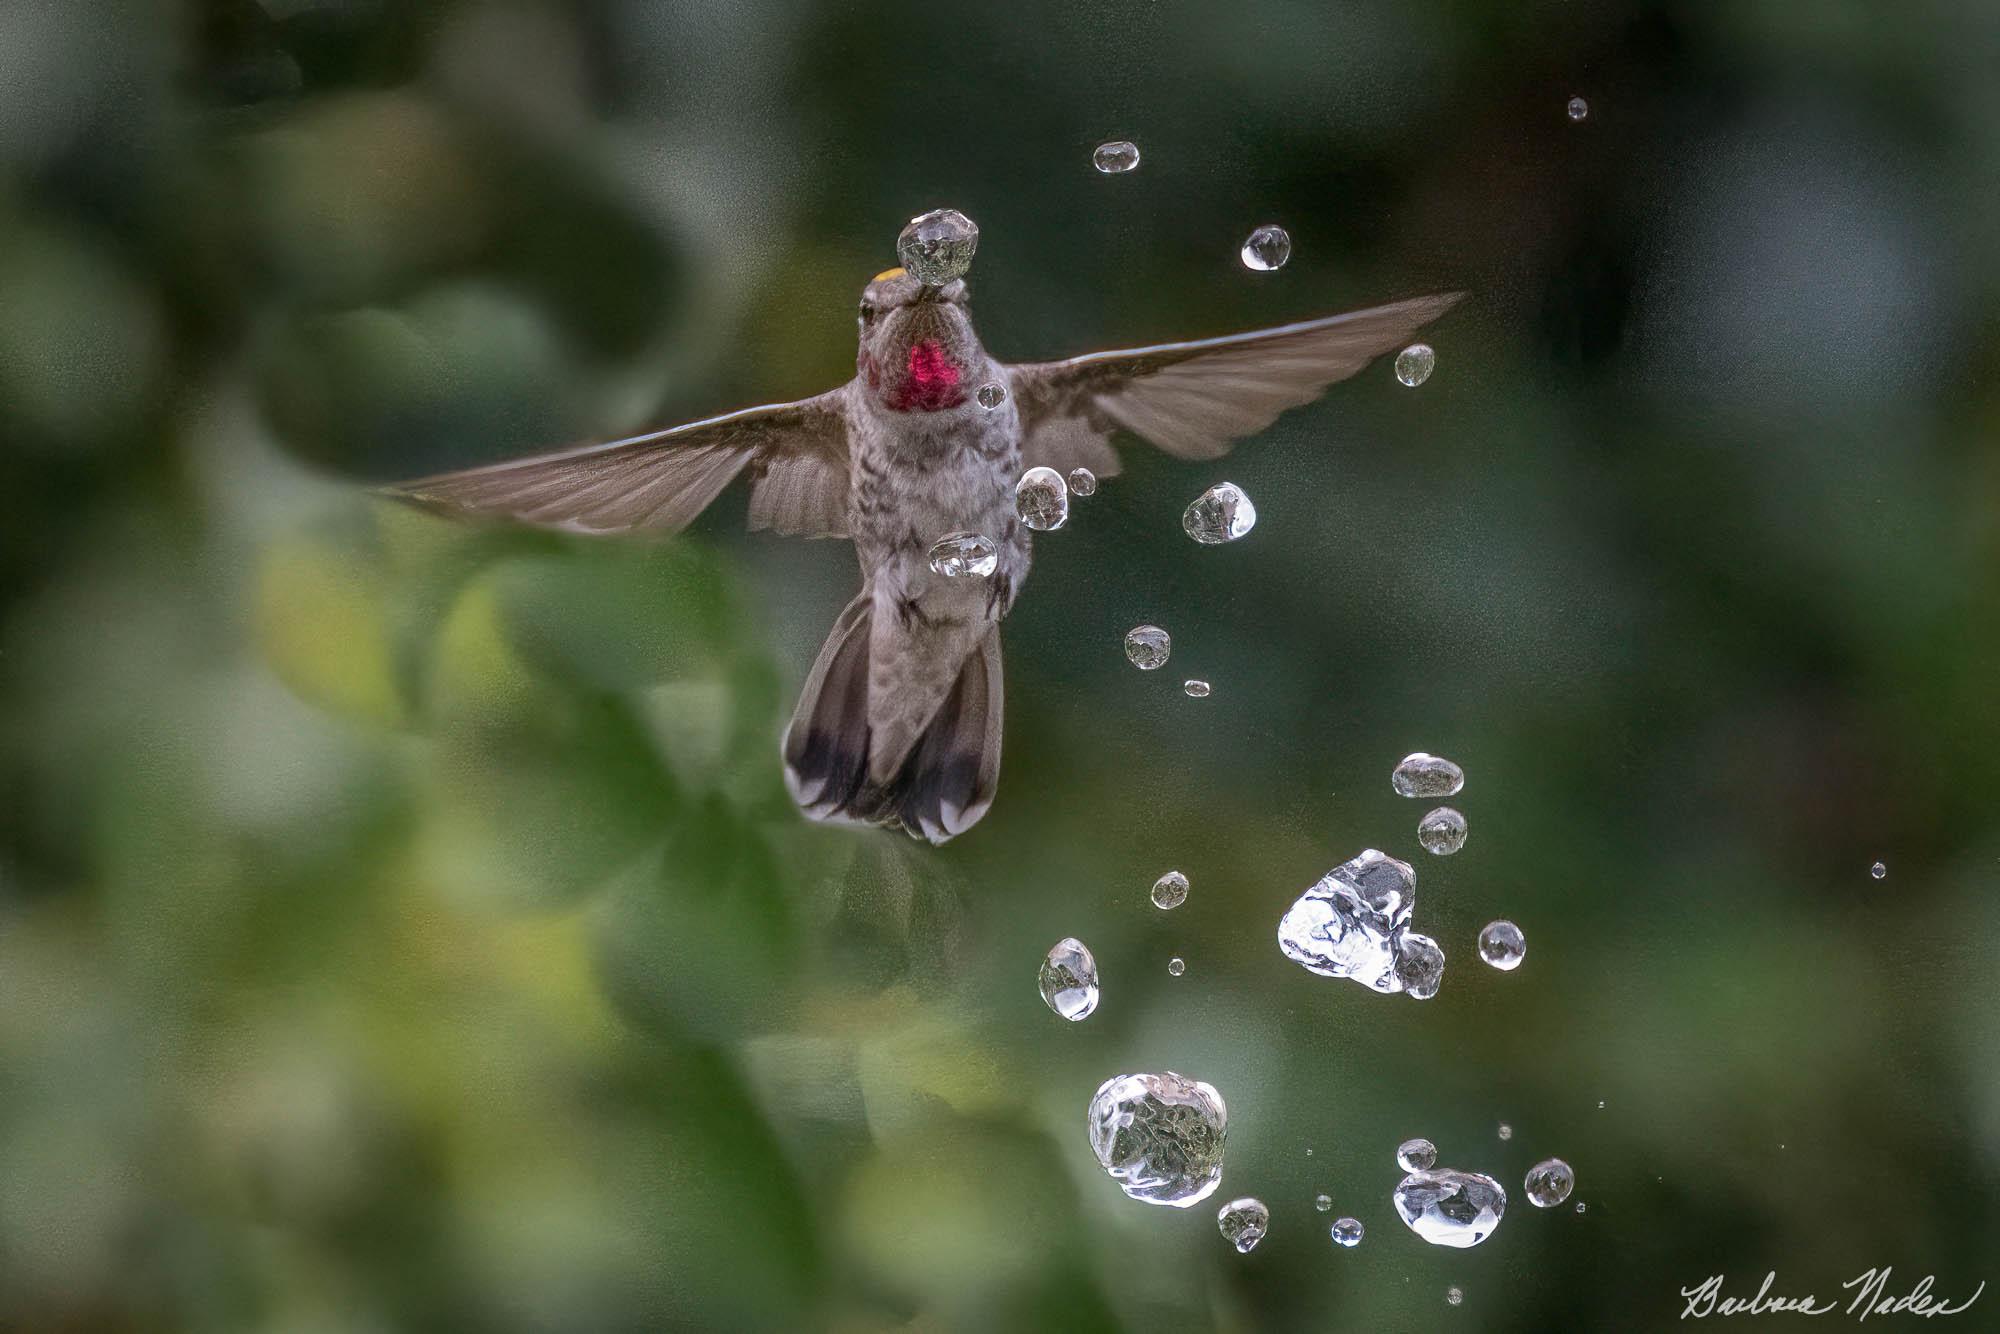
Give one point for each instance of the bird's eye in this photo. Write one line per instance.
(867, 314)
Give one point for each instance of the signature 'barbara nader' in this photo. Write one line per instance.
(1868, 1295)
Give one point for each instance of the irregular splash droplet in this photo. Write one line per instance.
(1068, 979)
(1148, 646)
(1415, 363)
(1421, 775)
(1195, 689)
(1220, 514)
(1453, 1296)
(1323, 1203)
(1115, 158)
(1577, 108)
(1042, 499)
(1243, 1223)
(1506, 1131)
(1160, 1137)
(1502, 945)
(938, 246)
(957, 555)
(1170, 890)
(991, 394)
(1419, 964)
(1266, 249)
(1442, 831)
(1347, 923)
(1549, 1183)
(1448, 1208)
(1176, 966)
(1878, 870)
(1416, 1155)
(1582, 1208)
(1347, 1231)
(1082, 482)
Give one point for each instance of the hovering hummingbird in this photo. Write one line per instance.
(899, 720)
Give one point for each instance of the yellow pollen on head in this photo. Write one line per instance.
(886, 274)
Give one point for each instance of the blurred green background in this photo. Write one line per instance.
(403, 925)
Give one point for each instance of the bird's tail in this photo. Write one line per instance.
(947, 782)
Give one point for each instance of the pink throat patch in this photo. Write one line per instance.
(932, 383)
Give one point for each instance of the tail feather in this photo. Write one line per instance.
(945, 785)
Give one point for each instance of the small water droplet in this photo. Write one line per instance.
(1082, 482)
(938, 246)
(1323, 1203)
(1416, 1155)
(991, 394)
(1600, 1104)
(1243, 1223)
(1419, 964)
(1582, 1208)
(1577, 108)
(1170, 890)
(1347, 1231)
(1442, 831)
(1196, 689)
(1220, 514)
(1159, 1137)
(1148, 646)
(956, 555)
(1502, 945)
(1115, 158)
(1415, 363)
(1448, 1208)
(1453, 1296)
(1421, 775)
(1878, 870)
(1506, 1131)
(1068, 979)
(1176, 966)
(1267, 249)
(1042, 499)
(1549, 1183)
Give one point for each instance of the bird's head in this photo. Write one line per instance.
(918, 352)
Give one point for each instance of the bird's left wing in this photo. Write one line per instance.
(660, 481)
(1194, 399)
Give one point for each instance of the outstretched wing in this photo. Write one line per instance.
(1193, 399)
(660, 481)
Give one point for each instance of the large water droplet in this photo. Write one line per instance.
(1415, 363)
(956, 555)
(1041, 499)
(1421, 775)
(1878, 870)
(1416, 1155)
(1244, 1223)
(1549, 1183)
(1347, 1231)
(1114, 158)
(1170, 890)
(1442, 831)
(1159, 1137)
(1267, 248)
(1502, 945)
(1419, 964)
(991, 394)
(1220, 514)
(1082, 482)
(1148, 646)
(1346, 924)
(1196, 689)
(1323, 1203)
(1577, 108)
(937, 246)
(1069, 979)
(1448, 1208)
(1176, 966)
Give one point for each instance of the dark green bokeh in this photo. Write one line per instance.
(403, 924)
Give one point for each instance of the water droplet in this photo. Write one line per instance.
(1582, 1208)
(1069, 979)
(1113, 159)
(1196, 689)
(1577, 108)
(956, 555)
(1448, 1208)
(1347, 923)
(1415, 363)
(1600, 1104)
(937, 246)
(1549, 1183)
(1506, 1131)
(1041, 499)
(1220, 514)
(1347, 1231)
(1421, 775)
(1148, 646)
(1442, 831)
(1502, 945)
(1323, 1203)
(1176, 966)
(1267, 248)
(1082, 482)
(1419, 965)
(1170, 890)
(991, 394)
(1416, 1155)
(1243, 1223)
(1878, 870)
(1159, 1137)
(1453, 1296)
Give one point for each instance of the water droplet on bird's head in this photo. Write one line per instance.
(938, 246)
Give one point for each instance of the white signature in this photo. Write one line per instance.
(1871, 1297)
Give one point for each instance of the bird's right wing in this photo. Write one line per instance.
(660, 481)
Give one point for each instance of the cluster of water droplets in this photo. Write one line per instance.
(1354, 922)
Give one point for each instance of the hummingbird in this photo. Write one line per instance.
(899, 721)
